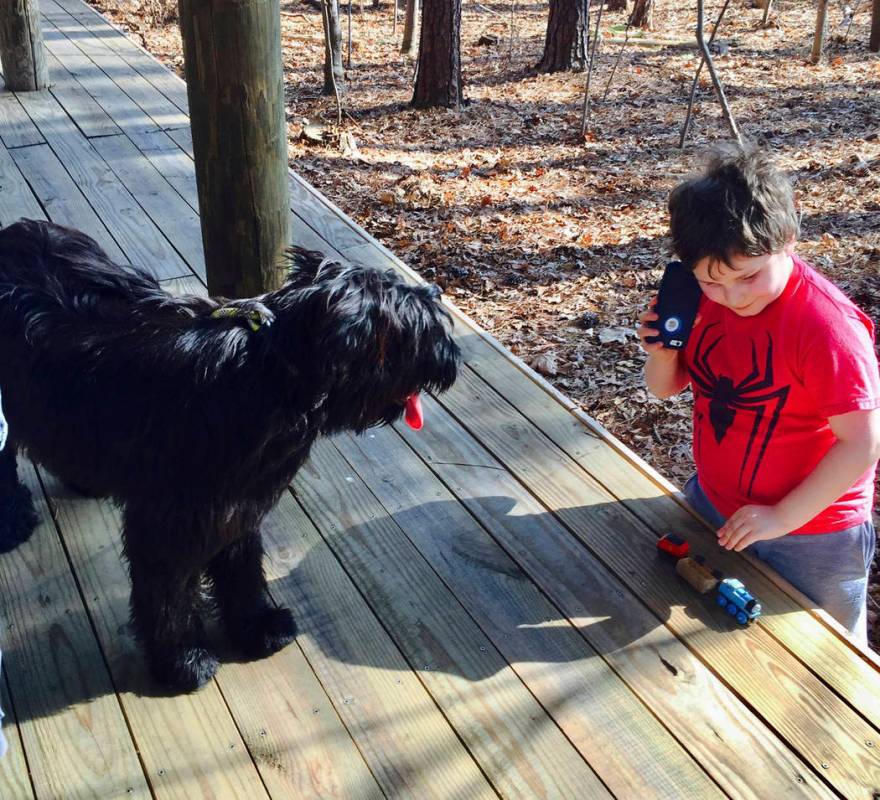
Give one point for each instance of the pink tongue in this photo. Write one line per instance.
(413, 415)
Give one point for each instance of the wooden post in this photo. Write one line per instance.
(21, 46)
(874, 41)
(819, 34)
(232, 54)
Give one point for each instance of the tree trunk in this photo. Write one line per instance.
(617, 5)
(642, 14)
(565, 42)
(232, 53)
(819, 35)
(410, 42)
(21, 46)
(438, 82)
(874, 41)
(333, 72)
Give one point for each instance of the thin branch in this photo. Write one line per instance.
(512, 27)
(617, 60)
(328, 50)
(349, 32)
(687, 120)
(585, 114)
(719, 89)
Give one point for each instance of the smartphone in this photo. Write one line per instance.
(677, 305)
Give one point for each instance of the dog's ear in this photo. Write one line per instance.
(303, 265)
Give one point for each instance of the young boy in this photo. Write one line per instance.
(786, 387)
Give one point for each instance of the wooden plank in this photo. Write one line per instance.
(115, 39)
(189, 744)
(517, 746)
(94, 46)
(177, 167)
(139, 239)
(72, 727)
(834, 659)
(16, 197)
(829, 656)
(631, 752)
(60, 197)
(314, 210)
(296, 738)
(16, 128)
(89, 117)
(15, 782)
(171, 162)
(183, 137)
(700, 712)
(405, 740)
(115, 102)
(171, 213)
(821, 726)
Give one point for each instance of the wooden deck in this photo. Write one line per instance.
(482, 612)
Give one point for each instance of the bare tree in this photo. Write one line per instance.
(642, 14)
(819, 35)
(438, 81)
(565, 42)
(410, 22)
(334, 77)
(874, 41)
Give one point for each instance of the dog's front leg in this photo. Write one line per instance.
(166, 600)
(17, 515)
(256, 626)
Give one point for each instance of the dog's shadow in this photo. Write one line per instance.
(451, 598)
(438, 596)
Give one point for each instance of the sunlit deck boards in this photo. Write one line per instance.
(482, 612)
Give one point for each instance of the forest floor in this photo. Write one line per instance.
(553, 241)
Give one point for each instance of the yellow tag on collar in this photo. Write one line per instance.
(253, 318)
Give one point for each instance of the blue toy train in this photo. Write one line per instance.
(733, 596)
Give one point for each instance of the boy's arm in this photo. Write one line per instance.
(856, 449)
(664, 374)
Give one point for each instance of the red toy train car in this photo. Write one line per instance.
(674, 545)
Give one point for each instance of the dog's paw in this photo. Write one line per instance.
(17, 518)
(264, 633)
(188, 670)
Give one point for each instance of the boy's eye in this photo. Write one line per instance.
(750, 278)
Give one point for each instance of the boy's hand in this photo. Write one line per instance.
(644, 332)
(751, 524)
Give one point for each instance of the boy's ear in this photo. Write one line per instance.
(788, 249)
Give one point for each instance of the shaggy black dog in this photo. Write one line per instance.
(195, 414)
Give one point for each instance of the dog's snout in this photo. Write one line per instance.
(434, 291)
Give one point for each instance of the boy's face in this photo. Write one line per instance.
(750, 286)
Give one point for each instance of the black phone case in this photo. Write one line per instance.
(677, 305)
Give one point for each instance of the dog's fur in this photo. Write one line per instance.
(195, 424)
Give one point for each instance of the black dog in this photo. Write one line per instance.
(194, 415)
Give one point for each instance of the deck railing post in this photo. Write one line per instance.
(21, 46)
(232, 53)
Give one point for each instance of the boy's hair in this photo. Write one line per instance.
(740, 205)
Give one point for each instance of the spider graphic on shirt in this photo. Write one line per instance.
(755, 393)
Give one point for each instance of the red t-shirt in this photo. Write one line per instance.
(764, 388)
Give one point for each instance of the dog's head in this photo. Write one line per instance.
(364, 338)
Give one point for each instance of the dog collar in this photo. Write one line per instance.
(254, 317)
